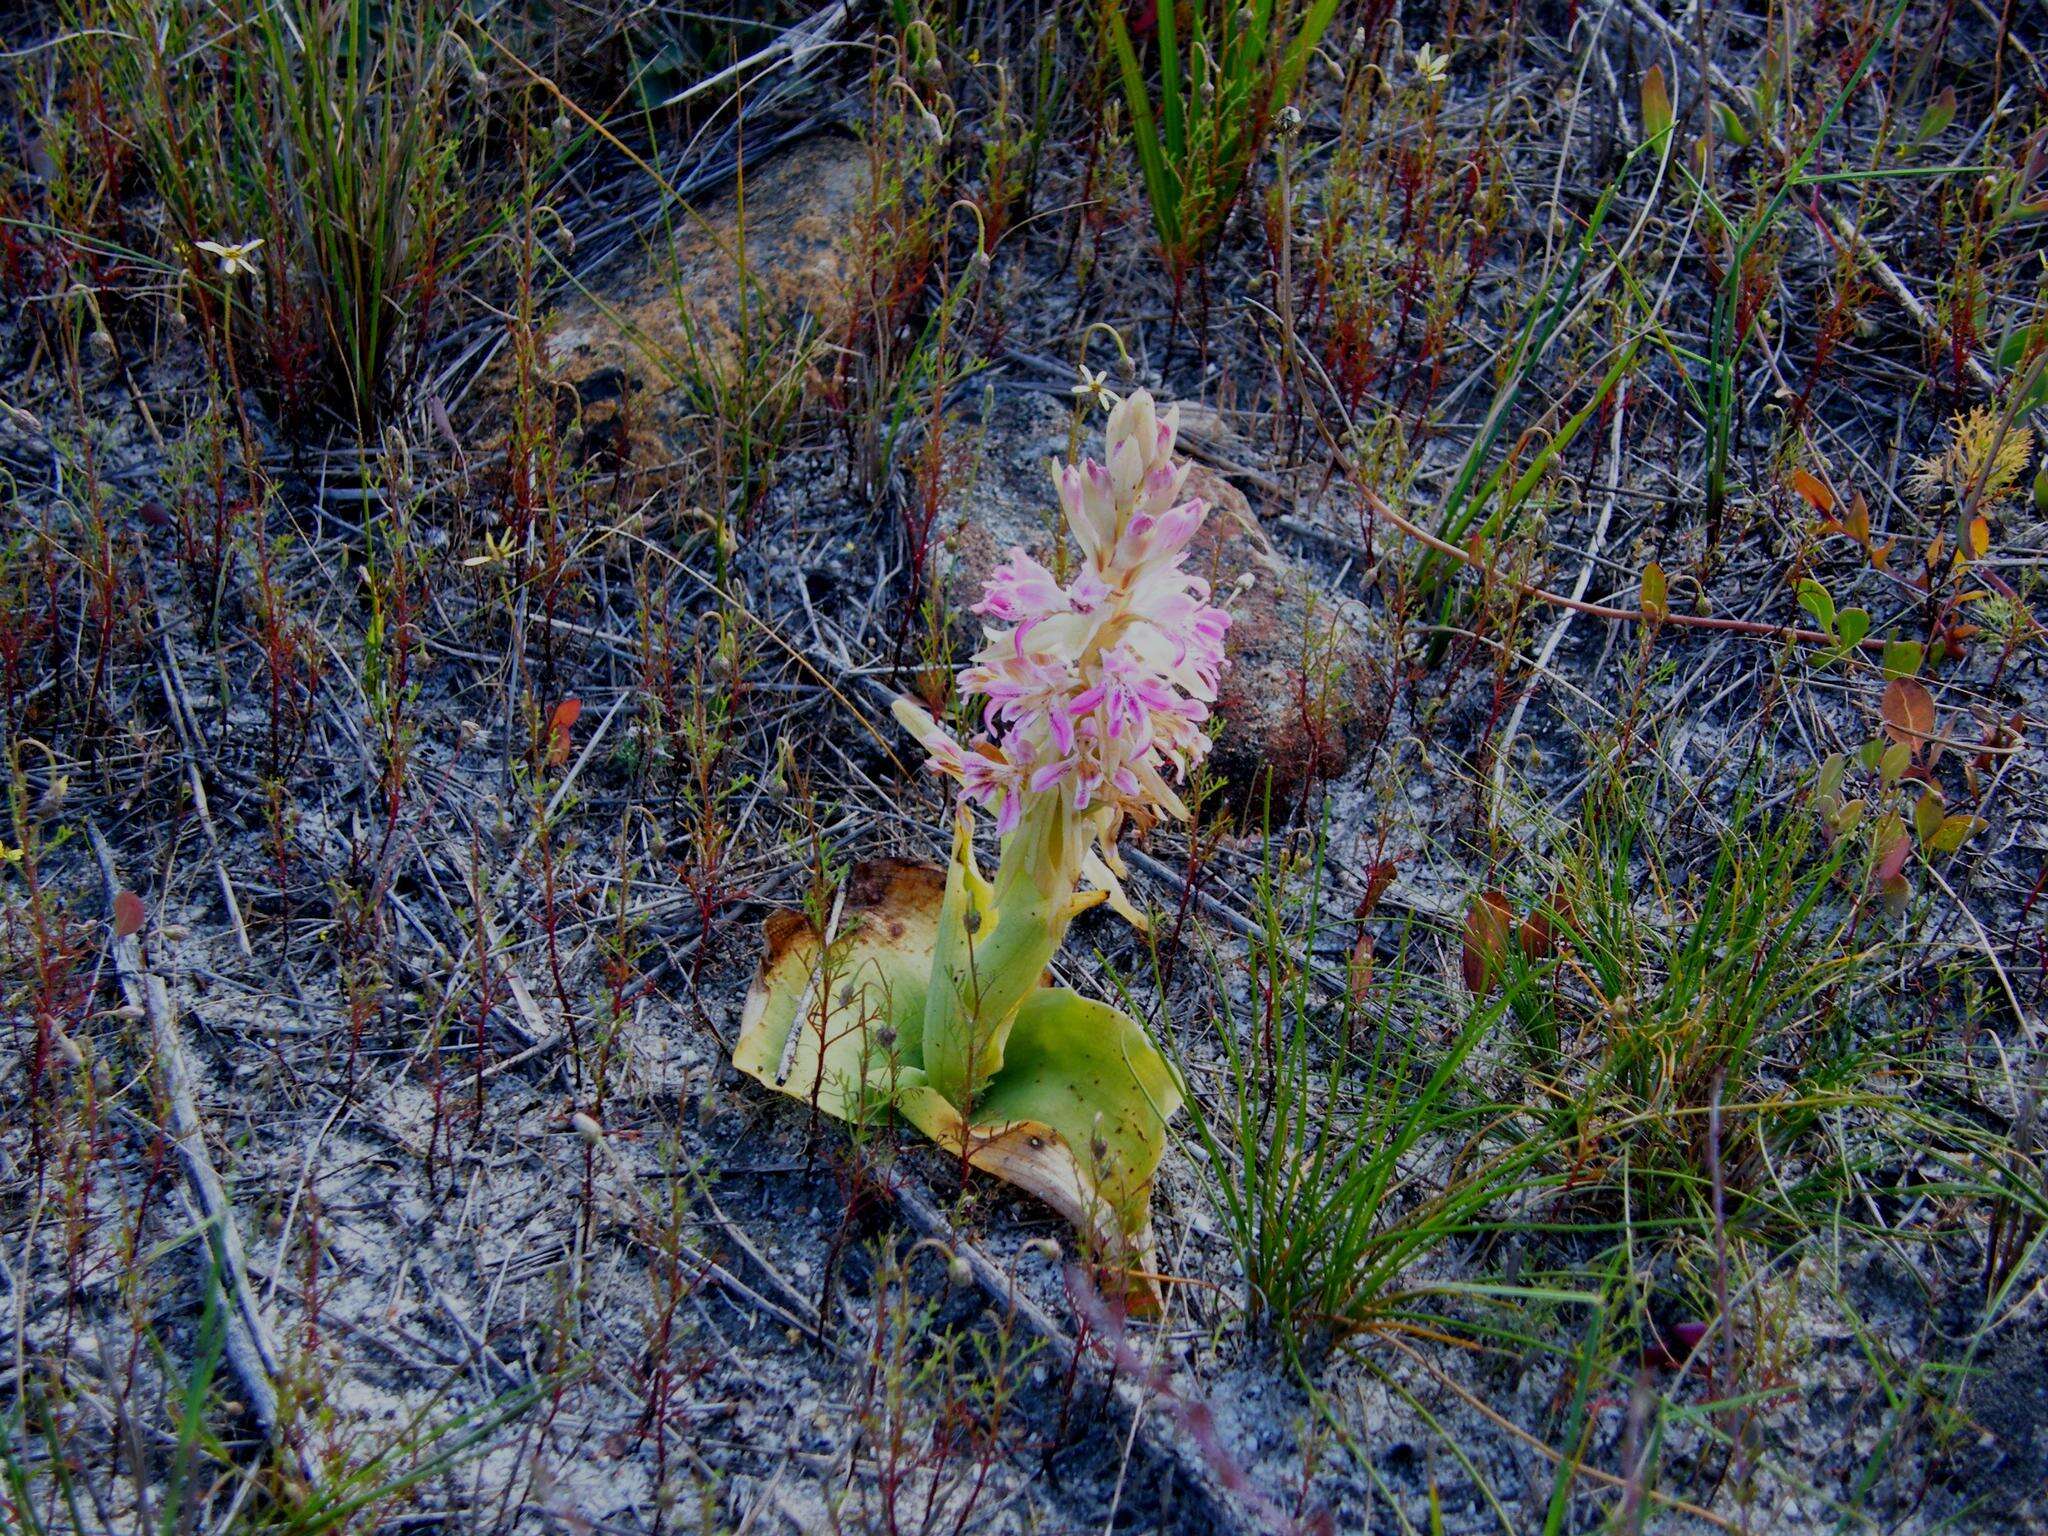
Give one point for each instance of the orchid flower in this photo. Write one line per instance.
(1097, 689)
(1094, 691)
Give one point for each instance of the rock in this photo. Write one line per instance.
(633, 345)
(1295, 691)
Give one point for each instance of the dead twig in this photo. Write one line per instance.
(251, 1353)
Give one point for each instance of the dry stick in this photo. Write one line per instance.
(787, 1306)
(1843, 225)
(1556, 635)
(251, 1353)
(176, 699)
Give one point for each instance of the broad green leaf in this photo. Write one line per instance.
(2019, 344)
(1077, 1116)
(1814, 598)
(1902, 658)
(1851, 625)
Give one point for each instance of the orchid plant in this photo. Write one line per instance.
(934, 1001)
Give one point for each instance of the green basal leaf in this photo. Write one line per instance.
(1073, 1098)
(1077, 1116)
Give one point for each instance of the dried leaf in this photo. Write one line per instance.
(1908, 711)
(1358, 973)
(129, 914)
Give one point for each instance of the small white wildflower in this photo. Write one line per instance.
(1093, 389)
(234, 258)
(1431, 67)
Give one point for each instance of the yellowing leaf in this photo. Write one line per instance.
(813, 1021)
(1077, 1116)
(1656, 595)
(1928, 815)
(1656, 103)
(1955, 830)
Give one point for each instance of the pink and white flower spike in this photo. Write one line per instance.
(1096, 688)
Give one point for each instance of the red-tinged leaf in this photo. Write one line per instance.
(129, 914)
(1489, 928)
(1814, 489)
(1857, 523)
(1893, 861)
(561, 725)
(1358, 974)
(1378, 876)
(1908, 711)
(1688, 1336)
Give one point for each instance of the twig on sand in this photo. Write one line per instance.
(251, 1354)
